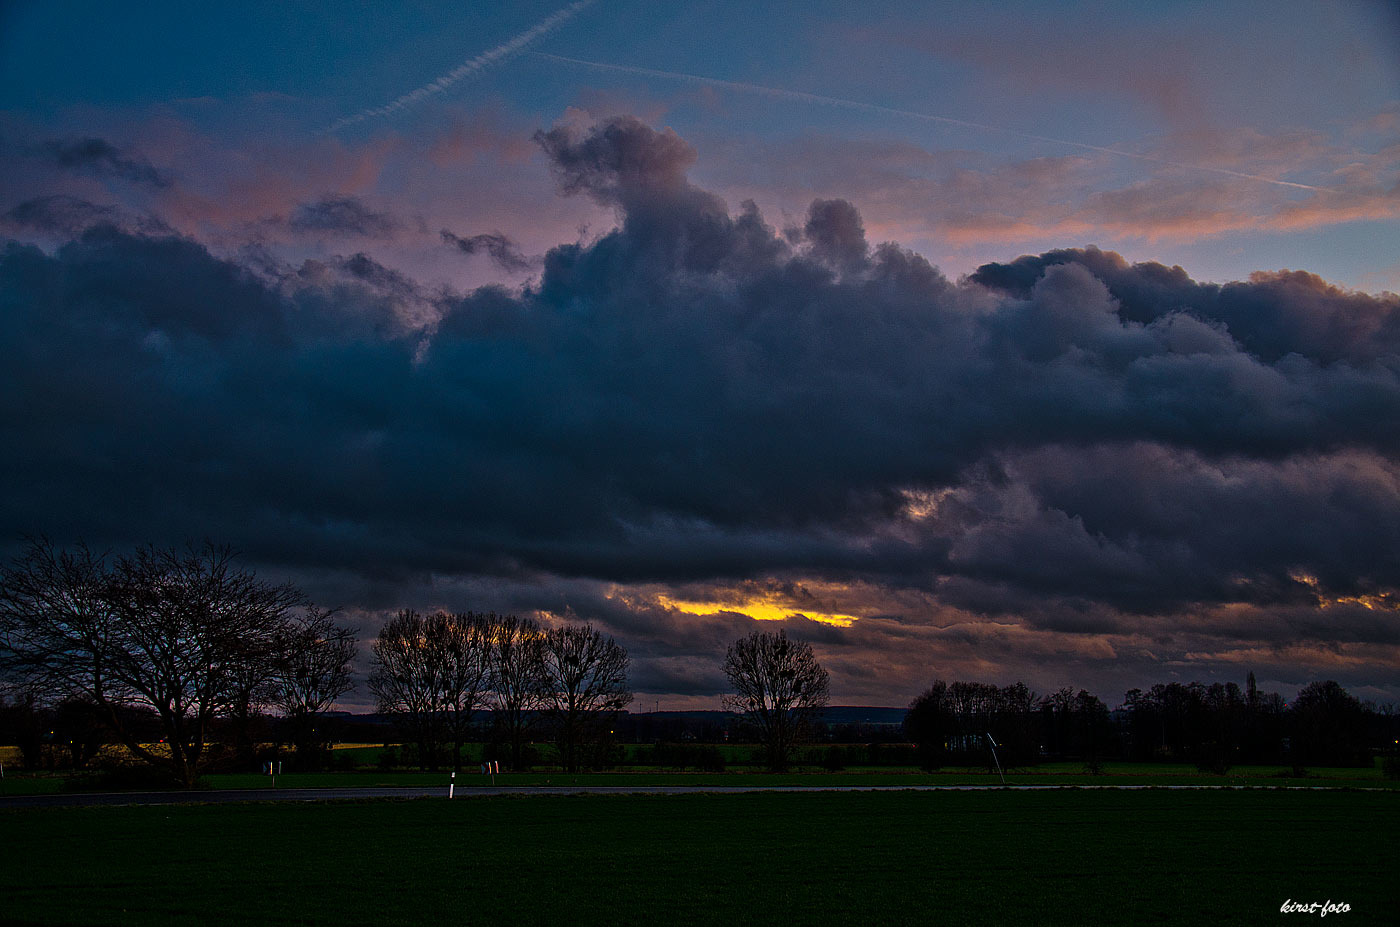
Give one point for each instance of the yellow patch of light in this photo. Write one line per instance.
(1372, 602)
(759, 609)
(920, 504)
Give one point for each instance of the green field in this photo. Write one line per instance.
(945, 858)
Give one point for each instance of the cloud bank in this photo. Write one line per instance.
(1062, 461)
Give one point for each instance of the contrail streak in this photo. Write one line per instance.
(801, 97)
(486, 59)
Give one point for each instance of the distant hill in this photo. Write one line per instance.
(834, 714)
(863, 714)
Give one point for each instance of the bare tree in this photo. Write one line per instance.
(253, 695)
(55, 621)
(930, 723)
(516, 695)
(312, 671)
(779, 686)
(170, 631)
(404, 680)
(584, 677)
(462, 644)
(432, 671)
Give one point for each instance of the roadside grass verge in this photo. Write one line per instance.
(470, 777)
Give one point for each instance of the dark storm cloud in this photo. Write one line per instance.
(501, 249)
(99, 157)
(343, 215)
(1149, 527)
(694, 396)
(622, 162)
(836, 234)
(61, 214)
(70, 216)
(1270, 316)
(352, 298)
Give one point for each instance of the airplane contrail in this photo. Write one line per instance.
(500, 53)
(778, 93)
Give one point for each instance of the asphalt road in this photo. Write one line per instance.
(83, 799)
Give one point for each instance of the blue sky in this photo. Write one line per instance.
(522, 343)
(1293, 91)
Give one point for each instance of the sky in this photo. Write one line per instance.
(1044, 342)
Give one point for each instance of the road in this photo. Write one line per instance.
(84, 799)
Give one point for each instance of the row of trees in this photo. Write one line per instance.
(1219, 725)
(177, 642)
(164, 649)
(159, 649)
(781, 690)
(950, 721)
(1213, 726)
(181, 636)
(435, 671)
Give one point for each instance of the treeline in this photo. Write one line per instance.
(1212, 726)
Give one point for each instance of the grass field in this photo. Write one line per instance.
(1000, 857)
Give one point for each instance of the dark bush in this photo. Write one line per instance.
(832, 759)
(1212, 757)
(704, 757)
(892, 755)
(123, 777)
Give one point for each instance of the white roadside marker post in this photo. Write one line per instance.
(452, 784)
(994, 757)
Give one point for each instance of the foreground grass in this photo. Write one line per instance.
(1045, 858)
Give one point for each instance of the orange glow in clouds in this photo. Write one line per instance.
(760, 609)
